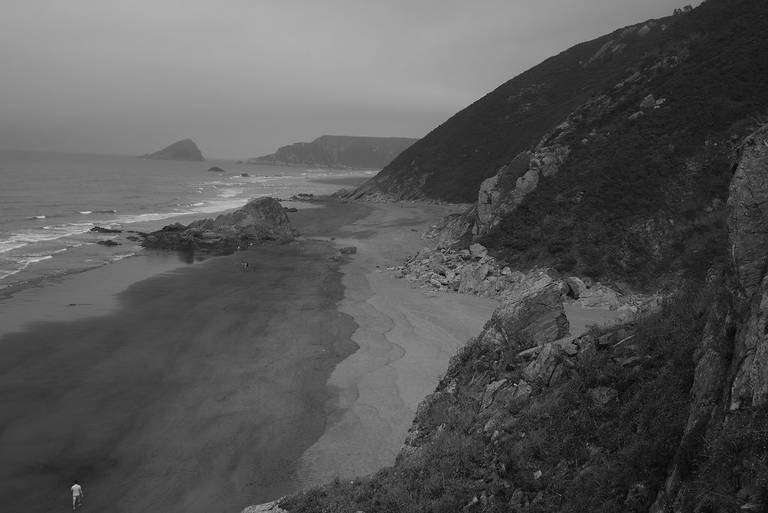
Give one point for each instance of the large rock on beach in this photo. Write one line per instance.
(262, 219)
(531, 314)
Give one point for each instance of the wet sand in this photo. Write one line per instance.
(198, 393)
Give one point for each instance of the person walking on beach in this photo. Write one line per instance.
(77, 496)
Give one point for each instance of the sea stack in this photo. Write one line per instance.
(186, 149)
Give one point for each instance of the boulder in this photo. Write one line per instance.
(490, 391)
(531, 314)
(546, 366)
(477, 251)
(99, 229)
(576, 287)
(472, 277)
(648, 102)
(215, 169)
(599, 296)
(348, 250)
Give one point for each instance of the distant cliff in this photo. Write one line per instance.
(185, 149)
(340, 151)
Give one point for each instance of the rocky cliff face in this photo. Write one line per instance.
(339, 151)
(262, 219)
(185, 149)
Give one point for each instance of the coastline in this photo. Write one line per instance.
(154, 407)
(312, 370)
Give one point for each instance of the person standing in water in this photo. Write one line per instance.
(77, 496)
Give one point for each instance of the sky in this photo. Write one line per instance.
(243, 77)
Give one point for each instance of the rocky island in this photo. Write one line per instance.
(339, 151)
(186, 149)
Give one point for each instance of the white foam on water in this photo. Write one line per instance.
(231, 192)
(23, 263)
(140, 218)
(10, 245)
(47, 233)
(223, 204)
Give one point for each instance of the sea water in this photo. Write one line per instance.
(50, 201)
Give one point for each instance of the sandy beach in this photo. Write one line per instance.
(205, 388)
(405, 335)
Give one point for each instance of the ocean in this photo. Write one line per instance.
(50, 201)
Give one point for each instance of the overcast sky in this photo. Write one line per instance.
(242, 77)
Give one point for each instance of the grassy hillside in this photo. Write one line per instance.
(646, 195)
(451, 161)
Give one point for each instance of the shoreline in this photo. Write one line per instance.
(323, 366)
(10, 289)
(155, 407)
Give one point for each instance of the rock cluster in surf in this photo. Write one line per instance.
(262, 219)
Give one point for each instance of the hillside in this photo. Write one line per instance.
(450, 162)
(610, 159)
(339, 151)
(666, 413)
(639, 159)
(186, 149)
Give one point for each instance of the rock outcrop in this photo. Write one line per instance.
(748, 213)
(731, 378)
(186, 149)
(474, 271)
(531, 314)
(262, 219)
(339, 151)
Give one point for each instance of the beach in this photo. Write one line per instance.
(206, 388)
(406, 336)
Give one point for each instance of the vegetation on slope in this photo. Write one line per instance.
(647, 195)
(450, 162)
